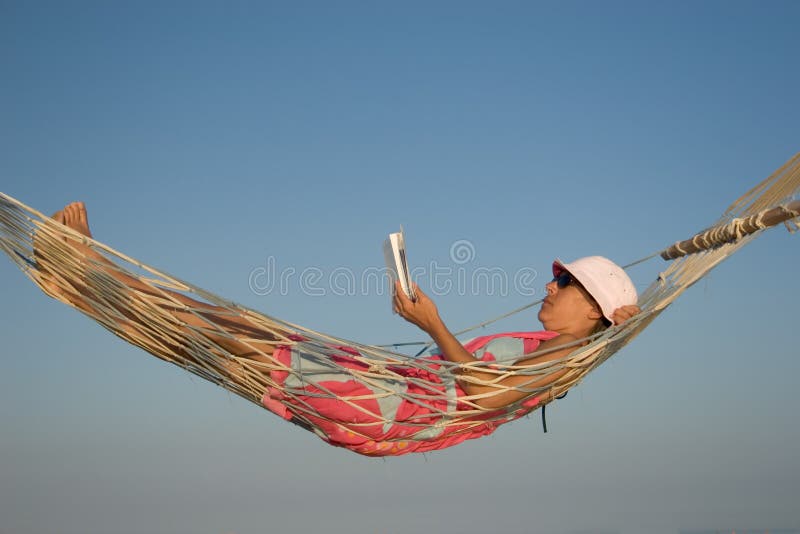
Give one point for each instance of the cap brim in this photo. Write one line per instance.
(558, 267)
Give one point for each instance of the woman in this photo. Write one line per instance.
(584, 297)
(334, 391)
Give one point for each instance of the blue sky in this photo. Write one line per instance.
(209, 139)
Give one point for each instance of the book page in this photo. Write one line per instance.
(394, 253)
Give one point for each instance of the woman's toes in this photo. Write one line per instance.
(82, 213)
(75, 217)
(71, 214)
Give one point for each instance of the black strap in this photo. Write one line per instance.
(544, 417)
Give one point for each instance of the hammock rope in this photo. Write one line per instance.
(708, 239)
(230, 345)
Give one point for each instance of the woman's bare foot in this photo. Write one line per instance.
(58, 216)
(64, 262)
(74, 216)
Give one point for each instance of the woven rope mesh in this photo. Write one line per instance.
(231, 345)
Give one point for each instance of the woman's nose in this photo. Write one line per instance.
(551, 287)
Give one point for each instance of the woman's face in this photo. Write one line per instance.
(568, 309)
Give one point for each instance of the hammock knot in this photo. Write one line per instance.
(377, 368)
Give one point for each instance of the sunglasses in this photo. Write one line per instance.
(563, 280)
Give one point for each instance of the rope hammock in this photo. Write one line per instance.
(237, 348)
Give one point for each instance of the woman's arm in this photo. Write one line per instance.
(423, 313)
(503, 391)
(474, 381)
(499, 390)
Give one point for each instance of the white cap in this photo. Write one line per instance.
(605, 281)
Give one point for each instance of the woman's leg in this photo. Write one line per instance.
(216, 324)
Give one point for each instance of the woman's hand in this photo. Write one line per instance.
(421, 312)
(624, 313)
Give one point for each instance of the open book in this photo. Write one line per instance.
(394, 252)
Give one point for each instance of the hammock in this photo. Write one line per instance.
(192, 328)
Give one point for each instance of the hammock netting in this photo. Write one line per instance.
(232, 345)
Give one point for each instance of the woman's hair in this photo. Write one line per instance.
(601, 324)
